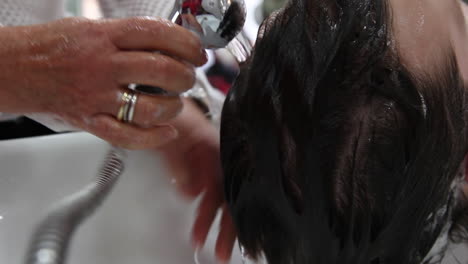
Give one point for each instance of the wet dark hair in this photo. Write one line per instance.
(333, 151)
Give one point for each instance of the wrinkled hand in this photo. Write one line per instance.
(194, 162)
(77, 70)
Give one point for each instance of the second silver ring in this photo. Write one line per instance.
(127, 109)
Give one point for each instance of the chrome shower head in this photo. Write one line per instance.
(217, 22)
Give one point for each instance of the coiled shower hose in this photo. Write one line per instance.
(52, 236)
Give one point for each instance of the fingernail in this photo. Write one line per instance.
(196, 40)
(205, 56)
(196, 255)
(192, 72)
(223, 261)
(221, 258)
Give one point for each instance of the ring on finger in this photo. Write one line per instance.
(127, 108)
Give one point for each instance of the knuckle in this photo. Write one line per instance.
(158, 65)
(186, 80)
(162, 23)
(89, 50)
(148, 24)
(148, 113)
(165, 70)
(191, 77)
(75, 20)
(94, 39)
(124, 141)
(170, 110)
(196, 44)
(178, 75)
(107, 130)
(174, 110)
(162, 26)
(177, 106)
(140, 141)
(131, 144)
(116, 134)
(157, 112)
(92, 29)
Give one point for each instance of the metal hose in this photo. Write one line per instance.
(49, 244)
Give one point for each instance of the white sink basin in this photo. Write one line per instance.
(143, 221)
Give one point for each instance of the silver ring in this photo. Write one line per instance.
(131, 108)
(127, 109)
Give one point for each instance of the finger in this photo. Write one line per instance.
(199, 168)
(226, 237)
(202, 173)
(184, 179)
(127, 136)
(152, 69)
(188, 185)
(179, 169)
(150, 111)
(157, 34)
(206, 215)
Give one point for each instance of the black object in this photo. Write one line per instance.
(22, 127)
(152, 90)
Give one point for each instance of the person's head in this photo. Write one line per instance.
(343, 138)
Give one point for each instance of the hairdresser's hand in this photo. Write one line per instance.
(194, 162)
(77, 69)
